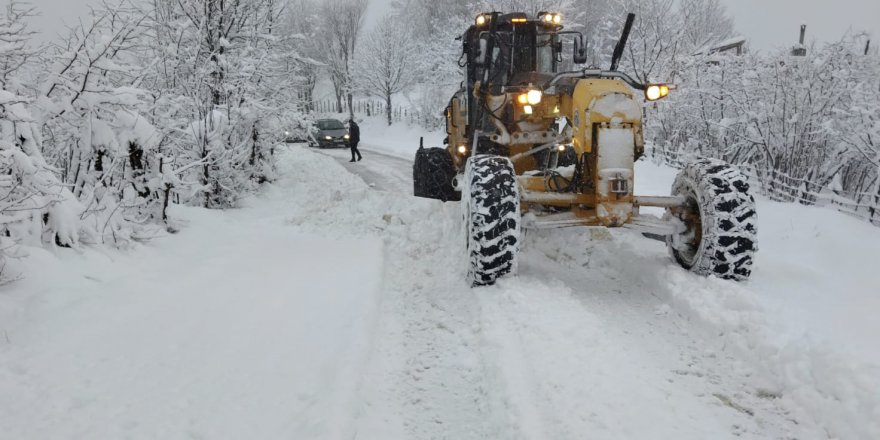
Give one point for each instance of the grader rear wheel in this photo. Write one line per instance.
(433, 172)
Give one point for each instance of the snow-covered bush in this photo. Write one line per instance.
(144, 105)
(35, 208)
(799, 124)
(219, 74)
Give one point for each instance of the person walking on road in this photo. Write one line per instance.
(354, 136)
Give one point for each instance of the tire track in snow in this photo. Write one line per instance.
(427, 378)
(379, 171)
(446, 384)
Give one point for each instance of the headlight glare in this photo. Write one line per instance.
(657, 91)
(534, 97)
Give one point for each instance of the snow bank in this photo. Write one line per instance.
(243, 325)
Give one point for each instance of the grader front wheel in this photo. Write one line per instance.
(717, 232)
(490, 202)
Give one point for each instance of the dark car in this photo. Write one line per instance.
(329, 133)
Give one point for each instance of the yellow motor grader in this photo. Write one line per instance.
(531, 147)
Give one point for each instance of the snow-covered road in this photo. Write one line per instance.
(699, 344)
(581, 343)
(334, 306)
(381, 171)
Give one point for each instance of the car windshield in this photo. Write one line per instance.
(330, 124)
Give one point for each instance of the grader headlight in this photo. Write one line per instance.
(533, 97)
(656, 92)
(551, 18)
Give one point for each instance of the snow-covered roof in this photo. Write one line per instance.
(721, 46)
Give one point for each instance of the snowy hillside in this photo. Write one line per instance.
(325, 308)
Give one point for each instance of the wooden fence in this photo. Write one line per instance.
(781, 187)
(399, 113)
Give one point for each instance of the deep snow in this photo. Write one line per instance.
(240, 326)
(329, 309)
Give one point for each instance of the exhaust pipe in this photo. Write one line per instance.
(621, 44)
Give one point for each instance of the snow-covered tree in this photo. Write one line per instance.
(703, 22)
(35, 207)
(303, 24)
(16, 41)
(228, 58)
(342, 21)
(386, 64)
(89, 83)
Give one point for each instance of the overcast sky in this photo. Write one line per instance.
(767, 23)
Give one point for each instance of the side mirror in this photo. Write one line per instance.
(480, 58)
(580, 50)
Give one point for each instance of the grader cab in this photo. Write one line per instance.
(529, 146)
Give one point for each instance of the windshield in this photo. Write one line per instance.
(330, 124)
(528, 51)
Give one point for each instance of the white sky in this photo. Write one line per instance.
(774, 23)
(767, 23)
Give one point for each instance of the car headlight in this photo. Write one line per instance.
(656, 91)
(534, 97)
(346, 136)
(329, 138)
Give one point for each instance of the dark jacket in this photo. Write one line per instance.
(354, 133)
